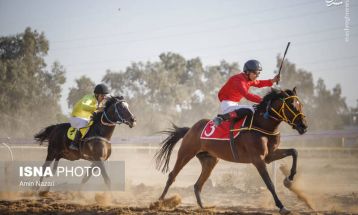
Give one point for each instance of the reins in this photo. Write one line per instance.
(280, 114)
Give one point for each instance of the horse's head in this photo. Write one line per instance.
(284, 105)
(117, 111)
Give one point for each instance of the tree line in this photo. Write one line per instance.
(172, 89)
(29, 93)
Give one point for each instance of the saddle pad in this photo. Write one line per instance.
(71, 132)
(221, 132)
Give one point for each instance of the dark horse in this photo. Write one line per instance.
(258, 146)
(95, 145)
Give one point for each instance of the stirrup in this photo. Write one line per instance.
(73, 146)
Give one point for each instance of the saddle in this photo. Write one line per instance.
(71, 132)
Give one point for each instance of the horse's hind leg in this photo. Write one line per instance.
(55, 165)
(185, 154)
(208, 163)
(47, 163)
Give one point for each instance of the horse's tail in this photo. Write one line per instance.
(44, 134)
(162, 157)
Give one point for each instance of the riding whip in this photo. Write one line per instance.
(283, 59)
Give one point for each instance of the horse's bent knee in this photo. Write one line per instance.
(294, 152)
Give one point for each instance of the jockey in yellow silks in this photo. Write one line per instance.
(83, 110)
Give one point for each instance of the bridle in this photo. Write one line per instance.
(280, 114)
(119, 120)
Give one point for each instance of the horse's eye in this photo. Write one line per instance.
(296, 104)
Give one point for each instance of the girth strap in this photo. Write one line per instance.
(233, 146)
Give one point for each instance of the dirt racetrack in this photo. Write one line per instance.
(327, 179)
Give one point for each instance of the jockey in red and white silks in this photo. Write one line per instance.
(236, 88)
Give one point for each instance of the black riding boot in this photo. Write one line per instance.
(74, 144)
(245, 112)
(236, 114)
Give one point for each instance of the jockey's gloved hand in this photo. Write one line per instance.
(276, 79)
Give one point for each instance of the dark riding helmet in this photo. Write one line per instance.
(101, 89)
(252, 66)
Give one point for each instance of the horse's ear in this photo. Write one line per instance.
(294, 91)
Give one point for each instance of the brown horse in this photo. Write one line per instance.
(95, 146)
(258, 146)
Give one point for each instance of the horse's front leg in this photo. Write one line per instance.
(87, 177)
(104, 173)
(282, 153)
(261, 168)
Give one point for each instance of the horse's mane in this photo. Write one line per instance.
(110, 101)
(274, 94)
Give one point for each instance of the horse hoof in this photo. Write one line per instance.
(287, 182)
(200, 204)
(284, 211)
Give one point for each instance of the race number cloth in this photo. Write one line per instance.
(221, 132)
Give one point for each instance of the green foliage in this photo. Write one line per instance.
(330, 107)
(184, 91)
(170, 89)
(29, 94)
(84, 86)
(173, 89)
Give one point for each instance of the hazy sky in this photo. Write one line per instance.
(88, 37)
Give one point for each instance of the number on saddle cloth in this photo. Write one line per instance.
(71, 133)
